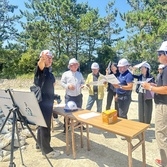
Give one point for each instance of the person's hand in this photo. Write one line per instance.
(116, 85)
(116, 98)
(44, 57)
(71, 87)
(146, 85)
(153, 84)
(82, 86)
(107, 71)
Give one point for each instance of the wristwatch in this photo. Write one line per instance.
(120, 86)
(150, 88)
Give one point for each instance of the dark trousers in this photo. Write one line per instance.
(145, 108)
(43, 133)
(110, 95)
(76, 99)
(123, 105)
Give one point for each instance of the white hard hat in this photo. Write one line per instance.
(95, 66)
(70, 106)
(72, 61)
(163, 46)
(123, 62)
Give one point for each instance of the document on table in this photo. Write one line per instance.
(59, 105)
(89, 115)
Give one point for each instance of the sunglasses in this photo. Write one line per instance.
(161, 52)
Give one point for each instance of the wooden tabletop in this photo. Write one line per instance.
(123, 127)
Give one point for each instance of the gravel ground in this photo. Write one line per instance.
(107, 150)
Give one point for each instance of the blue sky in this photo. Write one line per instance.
(121, 5)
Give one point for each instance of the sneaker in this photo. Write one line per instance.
(158, 162)
(53, 154)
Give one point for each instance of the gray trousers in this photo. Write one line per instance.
(161, 131)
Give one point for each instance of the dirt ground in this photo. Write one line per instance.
(107, 150)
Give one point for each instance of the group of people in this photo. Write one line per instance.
(73, 82)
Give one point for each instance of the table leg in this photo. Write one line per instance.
(67, 139)
(88, 141)
(143, 150)
(81, 130)
(52, 123)
(129, 153)
(73, 138)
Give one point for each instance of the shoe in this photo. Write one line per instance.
(83, 128)
(123, 138)
(37, 148)
(158, 162)
(53, 154)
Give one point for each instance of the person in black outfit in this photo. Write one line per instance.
(46, 81)
(110, 89)
(145, 104)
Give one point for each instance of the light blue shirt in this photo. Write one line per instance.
(74, 78)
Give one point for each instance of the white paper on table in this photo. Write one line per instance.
(89, 115)
(59, 105)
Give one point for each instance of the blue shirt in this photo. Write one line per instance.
(124, 79)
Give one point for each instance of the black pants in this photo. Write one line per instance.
(110, 95)
(43, 133)
(145, 108)
(123, 105)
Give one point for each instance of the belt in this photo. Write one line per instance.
(95, 93)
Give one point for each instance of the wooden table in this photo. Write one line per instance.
(126, 128)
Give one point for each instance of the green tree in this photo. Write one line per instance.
(147, 28)
(7, 21)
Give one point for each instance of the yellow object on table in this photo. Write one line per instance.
(109, 116)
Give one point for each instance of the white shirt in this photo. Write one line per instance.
(74, 78)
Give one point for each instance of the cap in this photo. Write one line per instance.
(123, 62)
(143, 64)
(163, 46)
(72, 61)
(95, 66)
(47, 52)
(146, 65)
(70, 106)
(161, 66)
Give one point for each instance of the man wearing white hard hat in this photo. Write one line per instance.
(160, 99)
(96, 92)
(124, 88)
(145, 102)
(46, 80)
(73, 81)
